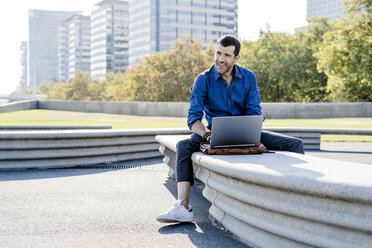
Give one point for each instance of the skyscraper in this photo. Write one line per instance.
(74, 46)
(44, 33)
(23, 80)
(155, 25)
(332, 9)
(109, 38)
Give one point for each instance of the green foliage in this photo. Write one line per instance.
(346, 53)
(168, 76)
(112, 88)
(327, 62)
(76, 89)
(266, 58)
(164, 76)
(81, 87)
(285, 66)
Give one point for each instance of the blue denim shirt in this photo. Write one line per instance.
(210, 94)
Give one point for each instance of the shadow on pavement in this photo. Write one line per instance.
(204, 232)
(30, 174)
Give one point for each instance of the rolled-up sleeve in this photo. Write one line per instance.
(197, 101)
(253, 106)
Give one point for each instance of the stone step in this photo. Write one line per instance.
(73, 162)
(53, 153)
(73, 142)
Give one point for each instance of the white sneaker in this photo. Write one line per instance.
(178, 213)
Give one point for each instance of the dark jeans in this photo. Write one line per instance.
(271, 140)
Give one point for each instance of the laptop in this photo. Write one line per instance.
(236, 131)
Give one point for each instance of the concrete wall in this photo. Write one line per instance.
(173, 109)
(179, 109)
(17, 106)
(316, 110)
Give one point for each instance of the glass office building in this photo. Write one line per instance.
(332, 9)
(109, 38)
(23, 79)
(43, 46)
(155, 25)
(74, 46)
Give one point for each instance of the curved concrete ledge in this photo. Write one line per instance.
(289, 130)
(285, 199)
(45, 127)
(67, 148)
(168, 143)
(168, 149)
(289, 200)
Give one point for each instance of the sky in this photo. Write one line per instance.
(281, 16)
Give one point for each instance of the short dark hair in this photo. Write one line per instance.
(229, 40)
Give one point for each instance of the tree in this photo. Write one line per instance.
(79, 86)
(76, 89)
(309, 84)
(285, 66)
(112, 88)
(168, 76)
(267, 58)
(97, 90)
(346, 52)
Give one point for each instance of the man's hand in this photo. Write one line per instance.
(200, 130)
(207, 136)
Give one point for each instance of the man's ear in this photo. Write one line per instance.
(237, 58)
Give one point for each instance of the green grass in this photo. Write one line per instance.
(52, 117)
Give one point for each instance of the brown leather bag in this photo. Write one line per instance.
(233, 150)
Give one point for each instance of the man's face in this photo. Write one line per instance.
(225, 58)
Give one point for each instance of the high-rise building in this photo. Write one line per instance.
(155, 25)
(74, 46)
(109, 38)
(23, 79)
(43, 46)
(63, 52)
(331, 9)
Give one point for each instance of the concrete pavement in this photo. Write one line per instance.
(358, 152)
(114, 206)
(100, 208)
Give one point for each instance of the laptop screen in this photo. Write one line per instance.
(232, 131)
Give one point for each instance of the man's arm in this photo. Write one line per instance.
(199, 128)
(253, 104)
(197, 101)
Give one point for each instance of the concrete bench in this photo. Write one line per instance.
(311, 136)
(69, 148)
(50, 127)
(285, 199)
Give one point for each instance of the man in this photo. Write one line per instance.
(226, 89)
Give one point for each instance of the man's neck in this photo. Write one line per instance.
(228, 76)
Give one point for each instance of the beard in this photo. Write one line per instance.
(222, 68)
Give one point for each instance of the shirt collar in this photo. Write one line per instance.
(217, 75)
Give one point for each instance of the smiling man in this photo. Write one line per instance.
(226, 89)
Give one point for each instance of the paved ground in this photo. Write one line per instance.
(100, 208)
(114, 207)
(358, 152)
